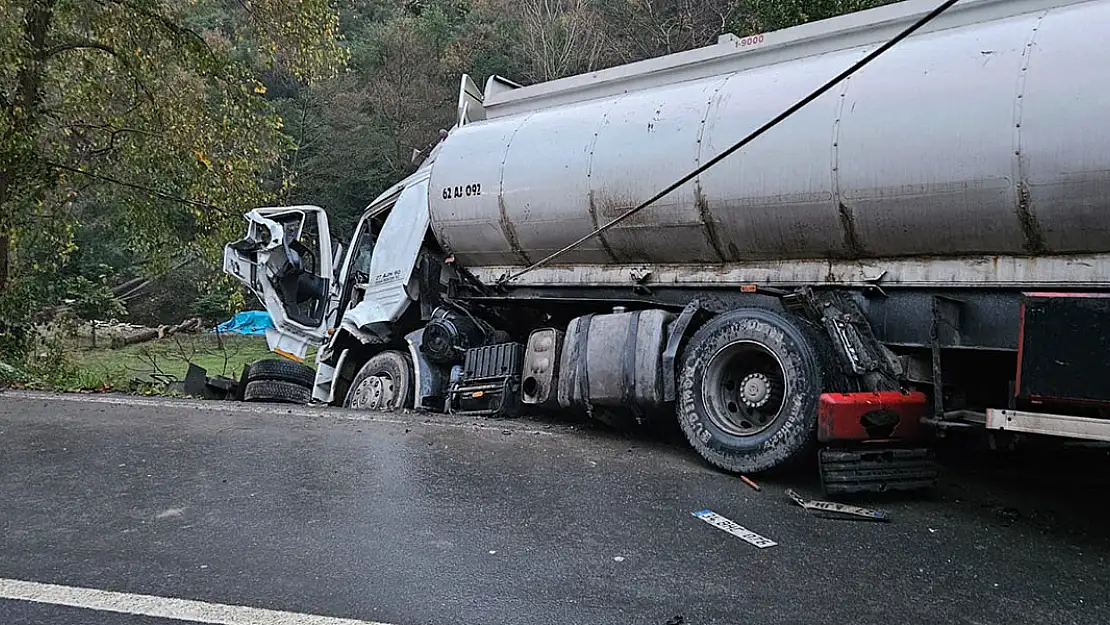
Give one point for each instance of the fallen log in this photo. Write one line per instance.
(150, 334)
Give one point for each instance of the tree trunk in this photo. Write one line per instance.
(5, 244)
(150, 334)
(23, 115)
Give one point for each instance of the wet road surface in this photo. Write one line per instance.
(413, 519)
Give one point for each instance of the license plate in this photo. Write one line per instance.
(736, 530)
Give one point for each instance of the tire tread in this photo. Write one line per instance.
(790, 441)
(282, 371)
(277, 391)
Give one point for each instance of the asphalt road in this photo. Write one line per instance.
(408, 519)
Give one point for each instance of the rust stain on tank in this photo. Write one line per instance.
(707, 220)
(597, 224)
(639, 233)
(510, 232)
(1030, 227)
(851, 236)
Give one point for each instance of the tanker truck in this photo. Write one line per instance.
(925, 246)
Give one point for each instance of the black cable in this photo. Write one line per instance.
(132, 185)
(746, 140)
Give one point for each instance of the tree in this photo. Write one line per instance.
(149, 110)
(356, 133)
(755, 16)
(560, 37)
(640, 29)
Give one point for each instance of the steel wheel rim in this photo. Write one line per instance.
(374, 393)
(744, 389)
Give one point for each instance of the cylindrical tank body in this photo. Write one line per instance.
(990, 138)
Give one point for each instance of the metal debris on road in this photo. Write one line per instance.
(833, 510)
(738, 531)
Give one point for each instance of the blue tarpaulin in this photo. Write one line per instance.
(250, 322)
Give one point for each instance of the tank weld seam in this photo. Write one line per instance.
(507, 228)
(590, 178)
(1026, 214)
(852, 243)
(700, 201)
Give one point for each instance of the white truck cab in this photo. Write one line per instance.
(287, 260)
(315, 295)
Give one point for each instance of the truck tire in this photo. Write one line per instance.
(748, 390)
(282, 370)
(277, 391)
(385, 382)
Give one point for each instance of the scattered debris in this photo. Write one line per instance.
(738, 531)
(833, 510)
(749, 482)
(170, 513)
(198, 384)
(618, 558)
(678, 620)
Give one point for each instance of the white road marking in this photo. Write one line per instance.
(738, 531)
(160, 607)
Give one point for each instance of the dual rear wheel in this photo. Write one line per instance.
(748, 389)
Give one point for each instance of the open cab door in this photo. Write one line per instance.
(286, 259)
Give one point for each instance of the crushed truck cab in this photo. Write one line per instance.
(286, 260)
(325, 299)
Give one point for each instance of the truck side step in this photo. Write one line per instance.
(876, 469)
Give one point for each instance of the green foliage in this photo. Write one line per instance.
(217, 305)
(145, 115)
(758, 16)
(92, 299)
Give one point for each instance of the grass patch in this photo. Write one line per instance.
(150, 367)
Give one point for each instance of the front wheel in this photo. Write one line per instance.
(748, 390)
(385, 382)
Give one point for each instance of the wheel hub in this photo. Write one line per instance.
(744, 388)
(755, 390)
(374, 393)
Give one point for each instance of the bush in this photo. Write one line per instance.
(92, 299)
(217, 305)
